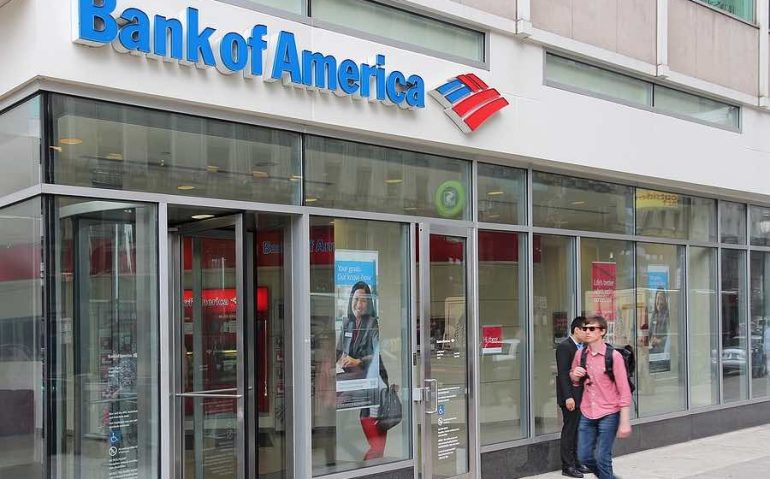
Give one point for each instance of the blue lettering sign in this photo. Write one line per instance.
(190, 43)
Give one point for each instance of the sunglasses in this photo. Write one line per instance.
(591, 328)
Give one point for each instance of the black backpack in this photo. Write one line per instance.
(626, 352)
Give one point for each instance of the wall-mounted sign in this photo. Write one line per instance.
(254, 54)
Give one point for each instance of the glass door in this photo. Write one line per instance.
(447, 438)
(210, 349)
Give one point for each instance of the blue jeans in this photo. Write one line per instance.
(595, 440)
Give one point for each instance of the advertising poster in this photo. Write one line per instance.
(658, 318)
(603, 283)
(358, 348)
(492, 339)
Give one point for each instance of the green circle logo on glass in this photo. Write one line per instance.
(450, 199)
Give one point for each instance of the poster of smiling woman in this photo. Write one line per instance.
(358, 334)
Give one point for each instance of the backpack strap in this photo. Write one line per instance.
(608, 361)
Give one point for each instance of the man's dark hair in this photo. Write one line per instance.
(599, 320)
(576, 323)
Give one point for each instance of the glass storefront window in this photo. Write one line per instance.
(580, 204)
(553, 290)
(360, 341)
(503, 317)
(22, 341)
(106, 145)
(607, 286)
(403, 26)
(732, 220)
(703, 319)
(104, 362)
(660, 317)
(361, 177)
(502, 194)
(760, 324)
(760, 225)
(671, 215)
(20, 146)
(734, 326)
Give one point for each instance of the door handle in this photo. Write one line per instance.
(209, 395)
(431, 390)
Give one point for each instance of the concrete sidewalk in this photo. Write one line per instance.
(742, 454)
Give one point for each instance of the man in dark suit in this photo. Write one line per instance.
(568, 398)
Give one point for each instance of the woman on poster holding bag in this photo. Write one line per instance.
(360, 345)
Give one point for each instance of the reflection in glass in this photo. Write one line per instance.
(106, 145)
(272, 234)
(607, 287)
(734, 326)
(293, 6)
(760, 225)
(503, 318)
(760, 324)
(105, 362)
(703, 318)
(448, 363)
(20, 146)
(502, 194)
(671, 215)
(580, 204)
(732, 217)
(22, 341)
(210, 357)
(360, 341)
(554, 307)
(660, 306)
(356, 176)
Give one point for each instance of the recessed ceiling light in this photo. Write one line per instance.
(201, 217)
(70, 141)
(494, 193)
(311, 200)
(578, 203)
(114, 156)
(185, 187)
(394, 181)
(260, 174)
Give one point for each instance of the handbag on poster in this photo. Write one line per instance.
(389, 413)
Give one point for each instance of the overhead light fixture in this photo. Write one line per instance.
(494, 193)
(212, 168)
(578, 203)
(260, 174)
(295, 178)
(185, 187)
(114, 156)
(311, 200)
(394, 181)
(201, 217)
(70, 141)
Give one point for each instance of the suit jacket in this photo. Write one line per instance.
(565, 352)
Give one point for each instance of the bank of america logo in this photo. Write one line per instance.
(468, 101)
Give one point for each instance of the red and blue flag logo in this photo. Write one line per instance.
(468, 101)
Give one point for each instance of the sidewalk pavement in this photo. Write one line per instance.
(742, 454)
